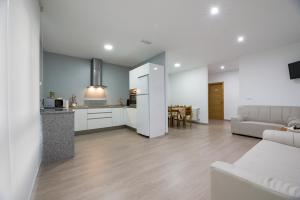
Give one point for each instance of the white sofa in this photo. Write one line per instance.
(269, 171)
(253, 120)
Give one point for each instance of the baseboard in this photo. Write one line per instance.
(131, 128)
(197, 122)
(102, 129)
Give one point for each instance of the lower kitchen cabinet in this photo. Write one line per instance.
(87, 119)
(118, 116)
(131, 117)
(99, 123)
(80, 120)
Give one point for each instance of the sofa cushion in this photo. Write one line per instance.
(281, 186)
(282, 137)
(263, 114)
(297, 140)
(254, 128)
(248, 179)
(290, 113)
(276, 114)
(273, 160)
(253, 114)
(263, 123)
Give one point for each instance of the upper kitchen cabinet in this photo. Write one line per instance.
(136, 73)
(132, 79)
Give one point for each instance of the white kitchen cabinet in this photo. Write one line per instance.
(99, 110)
(132, 79)
(118, 116)
(80, 119)
(131, 117)
(95, 123)
(99, 118)
(136, 73)
(96, 118)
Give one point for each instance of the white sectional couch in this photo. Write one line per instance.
(253, 120)
(269, 171)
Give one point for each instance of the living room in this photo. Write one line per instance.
(149, 99)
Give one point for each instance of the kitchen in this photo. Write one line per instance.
(105, 96)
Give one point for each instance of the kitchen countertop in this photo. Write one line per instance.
(71, 109)
(56, 111)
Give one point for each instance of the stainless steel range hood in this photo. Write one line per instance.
(96, 73)
(96, 90)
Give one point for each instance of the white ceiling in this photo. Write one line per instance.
(231, 65)
(182, 28)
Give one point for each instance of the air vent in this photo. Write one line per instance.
(146, 42)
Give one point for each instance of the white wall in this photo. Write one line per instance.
(231, 91)
(190, 88)
(264, 78)
(20, 139)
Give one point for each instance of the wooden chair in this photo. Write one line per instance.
(175, 116)
(180, 115)
(188, 115)
(170, 118)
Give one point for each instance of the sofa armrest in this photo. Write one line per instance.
(237, 118)
(231, 183)
(282, 137)
(235, 124)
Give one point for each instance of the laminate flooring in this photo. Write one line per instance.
(122, 165)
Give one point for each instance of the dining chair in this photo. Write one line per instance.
(189, 115)
(170, 118)
(180, 116)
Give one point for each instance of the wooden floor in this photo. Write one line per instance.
(121, 165)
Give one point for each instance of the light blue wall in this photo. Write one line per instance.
(159, 59)
(66, 75)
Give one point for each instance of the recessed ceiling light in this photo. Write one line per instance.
(214, 10)
(108, 47)
(241, 39)
(177, 65)
(222, 67)
(155, 68)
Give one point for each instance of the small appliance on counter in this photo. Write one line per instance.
(55, 103)
(73, 102)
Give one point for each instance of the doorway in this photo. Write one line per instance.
(216, 101)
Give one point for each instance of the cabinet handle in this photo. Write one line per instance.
(100, 118)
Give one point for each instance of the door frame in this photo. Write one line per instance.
(216, 83)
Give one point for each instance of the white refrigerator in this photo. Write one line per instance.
(151, 104)
(143, 114)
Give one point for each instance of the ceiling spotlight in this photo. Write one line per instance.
(241, 39)
(177, 65)
(108, 47)
(222, 67)
(214, 10)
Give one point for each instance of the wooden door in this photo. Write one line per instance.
(216, 101)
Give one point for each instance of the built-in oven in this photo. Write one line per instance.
(132, 97)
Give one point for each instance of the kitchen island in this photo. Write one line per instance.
(58, 134)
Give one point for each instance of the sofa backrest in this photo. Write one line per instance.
(272, 114)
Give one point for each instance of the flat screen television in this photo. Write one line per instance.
(294, 69)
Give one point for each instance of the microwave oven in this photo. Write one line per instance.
(55, 103)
